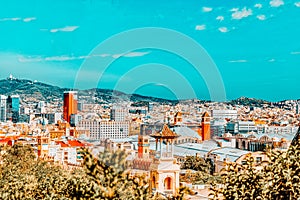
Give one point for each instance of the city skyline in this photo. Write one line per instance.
(253, 44)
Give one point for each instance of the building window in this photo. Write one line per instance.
(167, 183)
(153, 182)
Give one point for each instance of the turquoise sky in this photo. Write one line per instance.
(255, 45)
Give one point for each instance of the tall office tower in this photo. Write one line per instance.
(13, 108)
(70, 104)
(3, 100)
(117, 114)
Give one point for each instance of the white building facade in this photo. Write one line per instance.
(224, 114)
(100, 130)
(3, 100)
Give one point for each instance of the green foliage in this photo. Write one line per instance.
(278, 180)
(196, 163)
(241, 182)
(282, 176)
(203, 168)
(23, 176)
(108, 173)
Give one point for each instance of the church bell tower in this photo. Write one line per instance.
(164, 171)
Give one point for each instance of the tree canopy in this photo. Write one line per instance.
(23, 176)
(278, 180)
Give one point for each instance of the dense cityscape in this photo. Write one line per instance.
(157, 137)
(149, 100)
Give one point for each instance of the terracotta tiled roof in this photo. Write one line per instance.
(70, 143)
(75, 143)
(62, 144)
(5, 140)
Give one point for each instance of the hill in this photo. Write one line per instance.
(32, 92)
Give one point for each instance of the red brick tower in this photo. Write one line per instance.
(143, 146)
(70, 104)
(205, 133)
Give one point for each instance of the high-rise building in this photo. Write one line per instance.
(3, 100)
(13, 108)
(70, 104)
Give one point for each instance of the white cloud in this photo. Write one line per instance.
(28, 19)
(272, 60)
(104, 55)
(258, 5)
(223, 29)
(16, 19)
(297, 4)
(130, 54)
(295, 52)
(234, 9)
(61, 58)
(239, 14)
(64, 29)
(68, 58)
(261, 17)
(200, 27)
(11, 19)
(220, 18)
(51, 58)
(276, 3)
(238, 61)
(135, 54)
(29, 59)
(116, 55)
(206, 9)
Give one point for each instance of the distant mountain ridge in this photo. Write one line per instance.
(33, 91)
